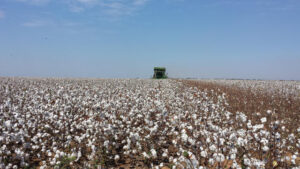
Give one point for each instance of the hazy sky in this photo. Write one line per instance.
(127, 38)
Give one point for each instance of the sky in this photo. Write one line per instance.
(247, 39)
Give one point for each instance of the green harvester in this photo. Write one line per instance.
(160, 73)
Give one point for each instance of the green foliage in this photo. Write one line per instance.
(186, 154)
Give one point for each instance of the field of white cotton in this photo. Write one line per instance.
(145, 123)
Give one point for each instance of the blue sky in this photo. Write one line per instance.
(257, 39)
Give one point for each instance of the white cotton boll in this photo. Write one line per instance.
(232, 156)
(291, 138)
(241, 141)
(241, 116)
(53, 162)
(263, 120)
(1, 139)
(265, 148)
(211, 161)
(257, 127)
(249, 125)
(174, 142)
(161, 165)
(264, 141)
(106, 143)
(56, 156)
(208, 140)
(222, 141)
(7, 124)
(213, 148)
(191, 141)
(219, 157)
(145, 155)
(153, 152)
(78, 155)
(258, 164)
(203, 154)
(164, 154)
(194, 116)
(117, 158)
(247, 161)
(294, 157)
(269, 111)
(241, 132)
(184, 137)
(235, 165)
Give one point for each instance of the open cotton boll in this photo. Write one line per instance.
(265, 148)
(247, 162)
(117, 157)
(153, 153)
(145, 155)
(203, 154)
(7, 124)
(219, 157)
(263, 120)
(184, 137)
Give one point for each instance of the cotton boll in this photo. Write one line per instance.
(232, 156)
(52, 163)
(117, 158)
(78, 155)
(247, 161)
(145, 155)
(211, 161)
(241, 116)
(241, 141)
(293, 159)
(258, 127)
(263, 120)
(7, 124)
(153, 153)
(265, 148)
(203, 154)
(219, 157)
(49, 154)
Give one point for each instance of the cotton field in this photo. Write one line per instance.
(135, 123)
